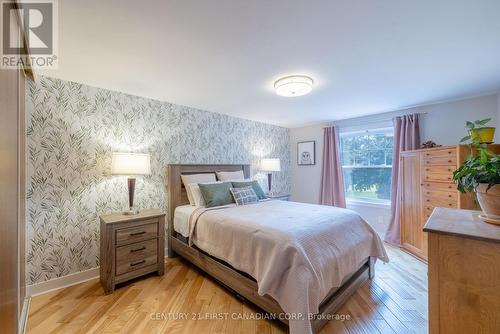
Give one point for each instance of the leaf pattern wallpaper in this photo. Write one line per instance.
(72, 129)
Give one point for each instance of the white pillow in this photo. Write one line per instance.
(196, 178)
(230, 176)
(196, 195)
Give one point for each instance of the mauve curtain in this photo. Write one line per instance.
(406, 137)
(332, 180)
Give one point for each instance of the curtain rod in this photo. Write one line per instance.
(374, 120)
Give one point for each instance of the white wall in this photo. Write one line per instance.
(444, 123)
(306, 179)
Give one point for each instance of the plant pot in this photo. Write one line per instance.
(489, 200)
(485, 135)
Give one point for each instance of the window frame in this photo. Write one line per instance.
(365, 201)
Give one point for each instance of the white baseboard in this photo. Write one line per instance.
(65, 281)
(62, 282)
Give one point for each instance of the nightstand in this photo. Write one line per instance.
(280, 197)
(131, 246)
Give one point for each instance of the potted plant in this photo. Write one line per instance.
(480, 132)
(481, 173)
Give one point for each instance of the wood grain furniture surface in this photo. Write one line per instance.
(464, 273)
(131, 246)
(236, 281)
(426, 183)
(12, 193)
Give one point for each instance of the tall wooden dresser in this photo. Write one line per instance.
(426, 183)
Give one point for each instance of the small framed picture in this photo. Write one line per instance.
(306, 153)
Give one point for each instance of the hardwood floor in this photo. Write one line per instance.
(394, 302)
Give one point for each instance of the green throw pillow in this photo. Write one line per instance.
(255, 185)
(216, 194)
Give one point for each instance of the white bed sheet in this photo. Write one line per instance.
(181, 219)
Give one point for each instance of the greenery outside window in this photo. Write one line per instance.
(366, 158)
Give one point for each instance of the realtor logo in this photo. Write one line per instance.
(37, 47)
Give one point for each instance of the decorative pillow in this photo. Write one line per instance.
(244, 195)
(216, 194)
(196, 178)
(230, 176)
(255, 186)
(196, 194)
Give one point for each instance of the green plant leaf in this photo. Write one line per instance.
(464, 139)
(469, 125)
(482, 122)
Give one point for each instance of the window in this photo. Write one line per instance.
(366, 158)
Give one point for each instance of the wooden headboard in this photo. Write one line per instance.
(177, 193)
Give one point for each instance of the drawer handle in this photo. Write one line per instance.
(133, 264)
(137, 249)
(449, 161)
(137, 233)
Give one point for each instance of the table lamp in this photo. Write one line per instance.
(130, 164)
(269, 166)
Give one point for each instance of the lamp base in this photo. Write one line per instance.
(131, 212)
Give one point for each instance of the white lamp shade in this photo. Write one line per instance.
(270, 165)
(130, 164)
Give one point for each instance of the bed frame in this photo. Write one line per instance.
(239, 283)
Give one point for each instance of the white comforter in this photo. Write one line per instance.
(296, 252)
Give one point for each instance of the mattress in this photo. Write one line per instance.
(181, 219)
(296, 252)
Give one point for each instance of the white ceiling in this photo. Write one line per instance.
(223, 55)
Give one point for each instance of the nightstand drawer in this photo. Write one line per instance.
(147, 230)
(131, 265)
(136, 251)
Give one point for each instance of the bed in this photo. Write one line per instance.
(205, 241)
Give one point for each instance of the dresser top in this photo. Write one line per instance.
(120, 217)
(462, 223)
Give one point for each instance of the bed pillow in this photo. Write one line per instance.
(216, 194)
(255, 186)
(244, 195)
(230, 176)
(196, 178)
(196, 194)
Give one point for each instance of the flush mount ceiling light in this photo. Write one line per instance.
(293, 85)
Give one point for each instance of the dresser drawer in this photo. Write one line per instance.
(427, 211)
(438, 173)
(440, 157)
(441, 195)
(136, 251)
(131, 265)
(148, 230)
(439, 186)
(440, 199)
